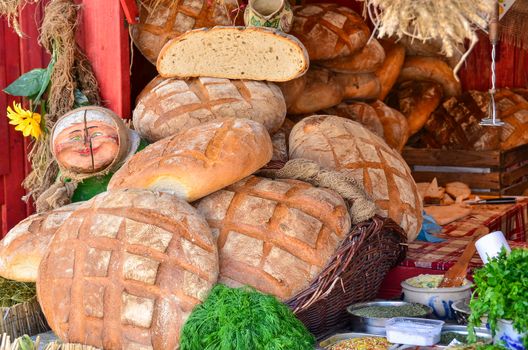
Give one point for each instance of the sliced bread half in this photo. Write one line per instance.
(235, 53)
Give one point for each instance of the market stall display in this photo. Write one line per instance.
(170, 106)
(198, 161)
(126, 269)
(342, 144)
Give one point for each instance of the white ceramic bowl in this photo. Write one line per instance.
(508, 335)
(439, 299)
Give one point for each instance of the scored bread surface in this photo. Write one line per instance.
(198, 161)
(254, 53)
(360, 112)
(170, 106)
(329, 30)
(275, 235)
(368, 60)
(173, 18)
(22, 249)
(126, 269)
(343, 144)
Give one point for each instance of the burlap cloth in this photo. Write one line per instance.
(361, 206)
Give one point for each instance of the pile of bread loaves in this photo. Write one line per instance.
(125, 269)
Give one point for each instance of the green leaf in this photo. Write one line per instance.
(46, 78)
(27, 84)
(80, 99)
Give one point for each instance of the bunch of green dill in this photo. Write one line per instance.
(12, 292)
(243, 319)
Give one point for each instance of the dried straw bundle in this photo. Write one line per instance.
(449, 21)
(71, 71)
(10, 9)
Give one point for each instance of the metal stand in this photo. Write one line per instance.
(493, 118)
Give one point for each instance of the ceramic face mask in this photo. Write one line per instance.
(86, 142)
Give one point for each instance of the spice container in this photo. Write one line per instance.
(413, 331)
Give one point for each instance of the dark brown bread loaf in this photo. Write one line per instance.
(395, 127)
(390, 70)
(171, 106)
(343, 144)
(360, 112)
(126, 269)
(173, 18)
(275, 235)
(416, 100)
(362, 86)
(329, 30)
(367, 60)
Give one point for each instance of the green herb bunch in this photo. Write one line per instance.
(243, 319)
(502, 291)
(12, 292)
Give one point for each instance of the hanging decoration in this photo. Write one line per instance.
(452, 22)
(10, 9)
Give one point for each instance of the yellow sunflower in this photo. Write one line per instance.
(26, 121)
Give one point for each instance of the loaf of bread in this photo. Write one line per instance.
(360, 112)
(368, 60)
(431, 69)
(363, 86)
(322, 90)
(164, 20)
(395, 127)
(416, 100)
(292, 90)
(390, 70)
(254, 53)
(22, 249)
(126, 269)
(455, 125)
(198, 161)
(431, 48)
(173, 105)
(275, 235)
(329, 30)
(343, 144)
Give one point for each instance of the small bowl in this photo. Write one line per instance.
(376, 325)
(461, 311)
(439, 299)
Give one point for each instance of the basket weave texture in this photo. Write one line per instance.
(24, 318)
(354, 274)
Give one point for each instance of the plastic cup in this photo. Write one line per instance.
(490, 245)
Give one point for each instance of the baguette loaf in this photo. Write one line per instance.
(126, 269)
(416, 100)
(275, 235)
(170, 19)
(254, 53)
(173, 105)
(198, 161)
(431, 69)
(360, 112)
(364, 86)
(329, 30)
(23, 247)
(389, 71)
(395, 127)
(368, 60)
(342, 144)
(322, 90)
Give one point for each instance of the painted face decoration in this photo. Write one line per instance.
(86, 142)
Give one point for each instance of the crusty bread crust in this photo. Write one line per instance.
(198, 161)
(254, 53)
(362, 86)
(368, 60)
(389, 71)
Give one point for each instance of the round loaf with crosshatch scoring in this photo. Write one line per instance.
(275, 235)
(126, 269)
(172, 18)
(25, 244)
(342, 144)
(198, 161)
(172, 105)
(329, 30)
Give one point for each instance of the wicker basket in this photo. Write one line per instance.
(354, 274)
(24, 318)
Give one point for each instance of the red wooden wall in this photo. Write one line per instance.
(103, 35)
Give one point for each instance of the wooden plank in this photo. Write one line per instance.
(440, 157)
(511, 177)
(516, 190)
(514, 156)
(107, 46)
(131, 11)
(489, 181)
(4, 142)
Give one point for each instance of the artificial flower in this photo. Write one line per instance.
(26, 121)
